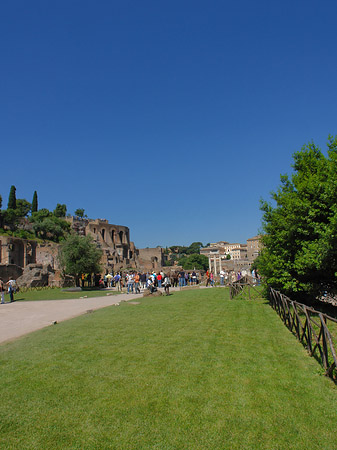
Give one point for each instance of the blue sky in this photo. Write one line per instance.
(170, 117)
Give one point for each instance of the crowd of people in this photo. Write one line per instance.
(135, 281)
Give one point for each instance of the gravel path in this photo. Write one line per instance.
(20, 318)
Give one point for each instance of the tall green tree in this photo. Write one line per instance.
(23, 207)
(300, 226)
(194, 262)
(80, 213)
(79, 254)
(47, 226)
(60, 210)
(12, 198)
(34, 203)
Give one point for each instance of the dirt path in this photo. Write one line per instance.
(20, 318)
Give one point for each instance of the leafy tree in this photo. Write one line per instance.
(38, 216)
(194, 248)
(10, 218)
(23, 207)
(194, 261)
(60, 210)
(300, 241)
(47, 226)
(12, 198)
(34, 203)
(80, 213)
(79, 254)
(52, 228)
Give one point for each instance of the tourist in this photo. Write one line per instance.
(136, 279)
(222, 278)
(11, 289)
(194, 277)
(208, 277)
(167, 284)
(117, 279)
(150, 285)
(2, 291)
(181, 278)
(143, 280)
(130, 283)
(159, 279)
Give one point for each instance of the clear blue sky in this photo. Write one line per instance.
(170, 117)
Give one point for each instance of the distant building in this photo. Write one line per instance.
(253, 247)
(114, 240)
(241, 255)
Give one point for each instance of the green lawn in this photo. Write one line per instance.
(191, 371)
(58, 294)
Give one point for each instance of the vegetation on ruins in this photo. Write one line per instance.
(48, 226)
(40, 224)
(181, 254)
(60, 210)
(79, 212)
(194, 262)
(79, 254)
(299, 256)
(189, 371)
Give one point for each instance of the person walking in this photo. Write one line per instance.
(208, 277)
(11, 285)
(117, 279)
(167, 284)
(2, 291)
(159, 279)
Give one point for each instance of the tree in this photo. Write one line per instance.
(300, 241)
(79, 254)
(60, 210)
(10, 218)
(194, 248)
(12, 198)
(194, 261)
(80, 213)
(47, 226)
(23, 207)
(34, 203)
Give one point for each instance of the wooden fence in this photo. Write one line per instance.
(311, 328)
(244, 288)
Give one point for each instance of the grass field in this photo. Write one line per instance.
(191, 371)
(57, 294)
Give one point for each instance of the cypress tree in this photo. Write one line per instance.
(12, 198)
(34, 202)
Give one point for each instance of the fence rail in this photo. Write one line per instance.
(311, 328)
(243, 287)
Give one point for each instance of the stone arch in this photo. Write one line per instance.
(121, 236)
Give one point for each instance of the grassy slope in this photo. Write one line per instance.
(192, 371)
